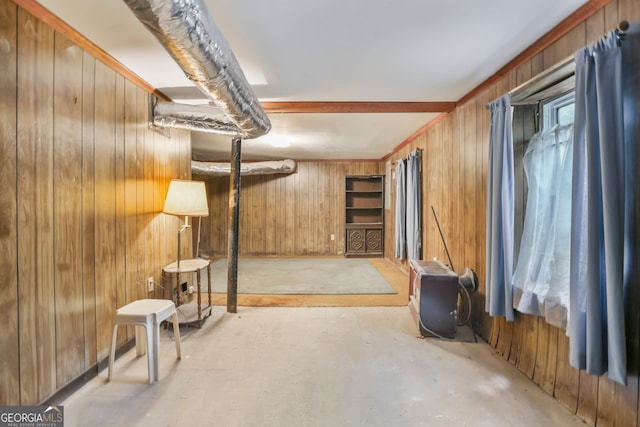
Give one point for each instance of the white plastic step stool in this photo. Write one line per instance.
(147, 313)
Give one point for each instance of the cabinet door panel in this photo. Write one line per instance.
(356, 241)
(374, 240)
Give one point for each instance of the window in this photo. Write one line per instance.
(558, 111)
(541, 274)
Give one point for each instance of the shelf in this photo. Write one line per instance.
(364, 224)
(359, 217)
(364, 184)
(363, 255)
(188, 313)
(364, 216)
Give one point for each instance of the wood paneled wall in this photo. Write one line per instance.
(454, 181)
(83, 182)
(284, 215)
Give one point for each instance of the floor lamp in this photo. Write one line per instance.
(188, 198)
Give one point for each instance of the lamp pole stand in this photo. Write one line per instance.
(182, 228)
(198, 244)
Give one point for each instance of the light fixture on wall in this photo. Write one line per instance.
(188, 198)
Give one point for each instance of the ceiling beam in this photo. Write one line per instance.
(358, 107)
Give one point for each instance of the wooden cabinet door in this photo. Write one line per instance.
(356, 242)
(373, 240)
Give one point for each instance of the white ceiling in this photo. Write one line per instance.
(334, 50)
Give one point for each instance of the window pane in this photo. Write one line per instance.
(565, 114)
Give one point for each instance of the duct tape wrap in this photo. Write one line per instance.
(193, 117)
(187, 31)
(252, 168)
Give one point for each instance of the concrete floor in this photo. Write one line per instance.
(321, 366)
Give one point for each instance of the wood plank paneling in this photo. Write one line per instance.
(312, 184)
(176, 147)
(284, 215)
(612, 17)
(467, 207)
(258, 200)
(301, 180)
(430, 187)
(524, 128)
(9, 340)
(61, 27)
(390, 214)
(105, 202)
(35, 209)
(142, 217)
(529, 344)
(454, 191)
(547, 356)
(158, 195)
(567, 379)
(120, 237)
(588, 398)
(133, 281)
(540, 351)
(244, 231)
(147, 215)
(481, 322)
(271, 232)
(73, 208)
(67, 174)
(528, 325)
(88, 209)
(184, 155)
(606, 403)
(298, 211)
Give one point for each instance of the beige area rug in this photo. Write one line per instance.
(301, 276)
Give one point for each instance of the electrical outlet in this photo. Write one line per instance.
(150, 284)
(333, 237)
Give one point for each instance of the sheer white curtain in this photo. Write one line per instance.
(541, 276)
(500, 207)
(401, 208)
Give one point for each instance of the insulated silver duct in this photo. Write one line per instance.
(187, 31)
(193, 117)
(252, 168)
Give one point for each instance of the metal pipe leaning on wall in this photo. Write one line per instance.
(252, 168)
(188, 33)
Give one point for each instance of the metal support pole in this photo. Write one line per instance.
(234, 210)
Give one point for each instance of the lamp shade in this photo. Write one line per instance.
(186, 198)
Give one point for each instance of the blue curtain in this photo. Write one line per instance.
(414, 204)
(401, 188)
(500, 207)
(600, 217)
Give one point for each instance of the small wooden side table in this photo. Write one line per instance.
(190, 313)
